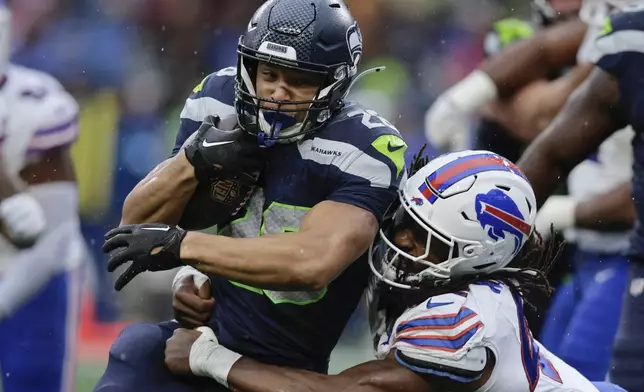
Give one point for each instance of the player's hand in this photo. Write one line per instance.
(558, 211)
(446, 127)
(178, 347)
(150, 247)
(192, 305)
(221, 148)
(22, 219)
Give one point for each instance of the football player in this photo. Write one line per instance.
(447, 311)
(607, 101)
(289, 269)
(576, 329)
(39, 285)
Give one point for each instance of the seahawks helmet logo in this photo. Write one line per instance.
(354, 42)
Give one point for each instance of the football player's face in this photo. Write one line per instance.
(412, 239)
(282, 84)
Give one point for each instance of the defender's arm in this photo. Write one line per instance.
(248, 375)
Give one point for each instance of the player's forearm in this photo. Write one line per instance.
(531, 110)
(614, 211)
(288, 261)
(8, 187)
(248, 375)
(162, 195)
(532, 59)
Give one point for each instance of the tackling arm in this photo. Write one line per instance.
(248, 375)
(587, 119)
(332, 235)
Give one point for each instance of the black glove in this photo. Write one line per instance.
(220, 148)
(150, 246)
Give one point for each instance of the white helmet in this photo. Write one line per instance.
(475, 207)
(5, 39)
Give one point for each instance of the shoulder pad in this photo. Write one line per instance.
(442, 337)
(36, 92)
(511, 30)
(369, 133)
(213, 95)
(622, 32)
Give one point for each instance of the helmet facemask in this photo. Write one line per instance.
(401, 269)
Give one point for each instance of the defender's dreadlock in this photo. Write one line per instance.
(526, 273)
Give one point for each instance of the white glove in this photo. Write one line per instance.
(210, 359)
(23, 218)
(447, 127)
(447, 122)
(558, 211)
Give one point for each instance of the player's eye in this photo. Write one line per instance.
(268, 74)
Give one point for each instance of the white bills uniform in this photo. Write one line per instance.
(445, 330)
(40, 286)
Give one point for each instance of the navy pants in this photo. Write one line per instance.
(136, 363)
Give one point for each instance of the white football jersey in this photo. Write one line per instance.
(36, 114)
(609, 167)
(453, 331)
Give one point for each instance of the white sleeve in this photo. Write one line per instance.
(442, 337)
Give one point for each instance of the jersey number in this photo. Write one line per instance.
(368, 115)
(534, 362)
(277, 218)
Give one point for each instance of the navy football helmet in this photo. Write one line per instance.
(317, 36)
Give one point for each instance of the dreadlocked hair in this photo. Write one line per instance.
(418, 161)
(525, 275)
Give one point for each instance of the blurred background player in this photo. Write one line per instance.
(607, 101)
(39, 285)
(290, 268)
(447, 311)
(576, 329)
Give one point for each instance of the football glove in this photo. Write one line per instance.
(221, 149)
(150, 247)
(22, 218)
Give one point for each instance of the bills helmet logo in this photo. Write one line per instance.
(499, 215)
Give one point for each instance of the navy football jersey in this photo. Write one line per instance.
(621, 51)
(356, 158)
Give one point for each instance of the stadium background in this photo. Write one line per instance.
(132, 63)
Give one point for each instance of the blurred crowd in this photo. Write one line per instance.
(132, 63)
